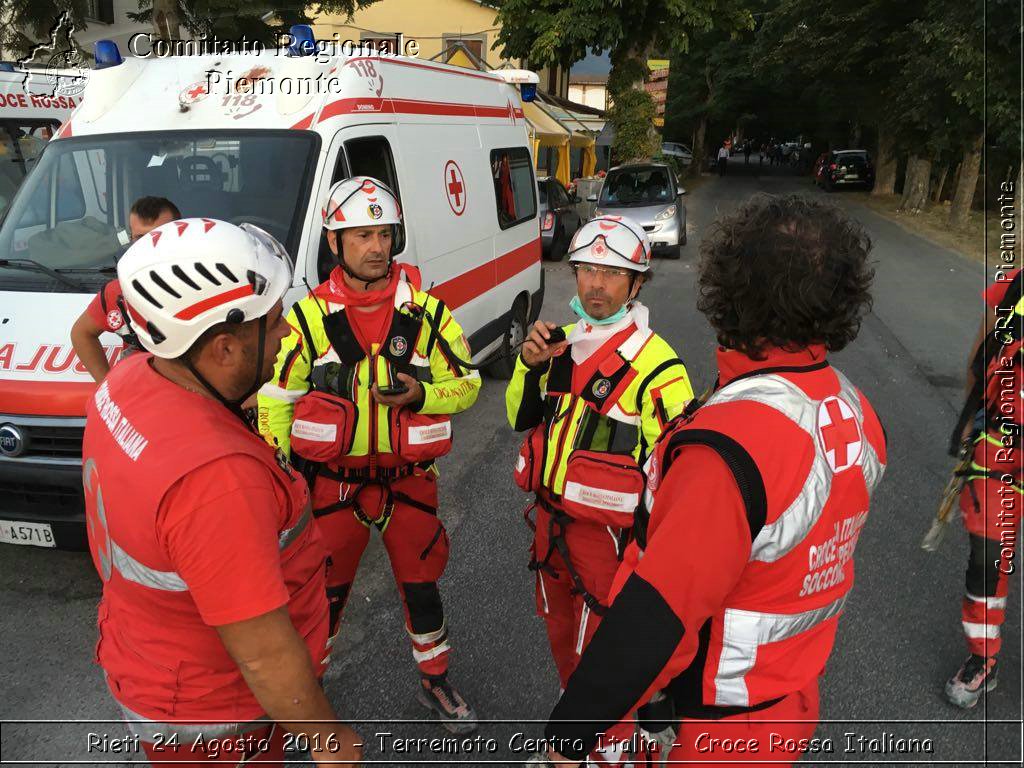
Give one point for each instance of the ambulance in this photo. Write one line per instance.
(252, 137)
(31, 111)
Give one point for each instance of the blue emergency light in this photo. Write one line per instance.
(303, 42)
(106, 54)
(528, 91)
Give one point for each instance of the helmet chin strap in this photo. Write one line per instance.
(235, 406)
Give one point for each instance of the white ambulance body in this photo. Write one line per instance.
(241, 144)
(30, 114)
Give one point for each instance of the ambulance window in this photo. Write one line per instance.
(21, 142)
(514, 186)
(64, 187)
(371, 156)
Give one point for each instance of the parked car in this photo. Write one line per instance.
(844, 167)
(559, 217)
(681, 152)
(649, 194)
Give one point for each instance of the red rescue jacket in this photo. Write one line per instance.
(161, 660)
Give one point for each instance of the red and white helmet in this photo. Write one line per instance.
(360, 201)
(188, 275)
(613, 241)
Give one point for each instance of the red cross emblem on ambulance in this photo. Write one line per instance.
(455, 187)
(839, 433)
(190, 94)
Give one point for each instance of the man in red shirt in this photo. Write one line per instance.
(994, 486)
(104, 314)
(727, 604)
(213, 622)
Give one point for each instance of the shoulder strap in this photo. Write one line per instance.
(737, 459)
(304, 325)
(658, 370)
(436, 316)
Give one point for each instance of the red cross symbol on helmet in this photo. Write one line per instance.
(455, 187)
(839, 433)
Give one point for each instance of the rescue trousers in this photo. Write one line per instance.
(570, 616)
(990, 504)
(404, 510)
(701, 741)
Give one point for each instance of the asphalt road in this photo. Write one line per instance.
(899, 639)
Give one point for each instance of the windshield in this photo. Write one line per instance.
(71, 209)
(636, 186)
(21, 142)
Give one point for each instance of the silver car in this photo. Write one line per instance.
(649, 194)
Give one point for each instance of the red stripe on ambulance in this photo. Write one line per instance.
(477, 281)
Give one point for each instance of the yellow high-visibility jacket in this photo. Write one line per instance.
(626, 410)
(448, 388)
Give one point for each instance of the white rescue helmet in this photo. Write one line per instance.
(612, 241)
(186, 276)
(360, 201)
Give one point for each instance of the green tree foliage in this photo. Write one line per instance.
(23, 23)
(546, 32)
(913, 74)
(712, 91)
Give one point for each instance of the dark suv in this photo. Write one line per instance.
(844, 167)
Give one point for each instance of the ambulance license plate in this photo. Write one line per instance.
(30, 534)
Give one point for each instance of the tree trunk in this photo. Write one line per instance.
(165, 19)
(885, 164)
(937, 196)
(915, 186)
(967, 183)
(699, 151)
(855, 129)
(956, 175)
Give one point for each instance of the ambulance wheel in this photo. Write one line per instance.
(515, 332)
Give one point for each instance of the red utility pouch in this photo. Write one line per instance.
(417, 437)
(323, 426)
(602, 487)
(529, 469)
